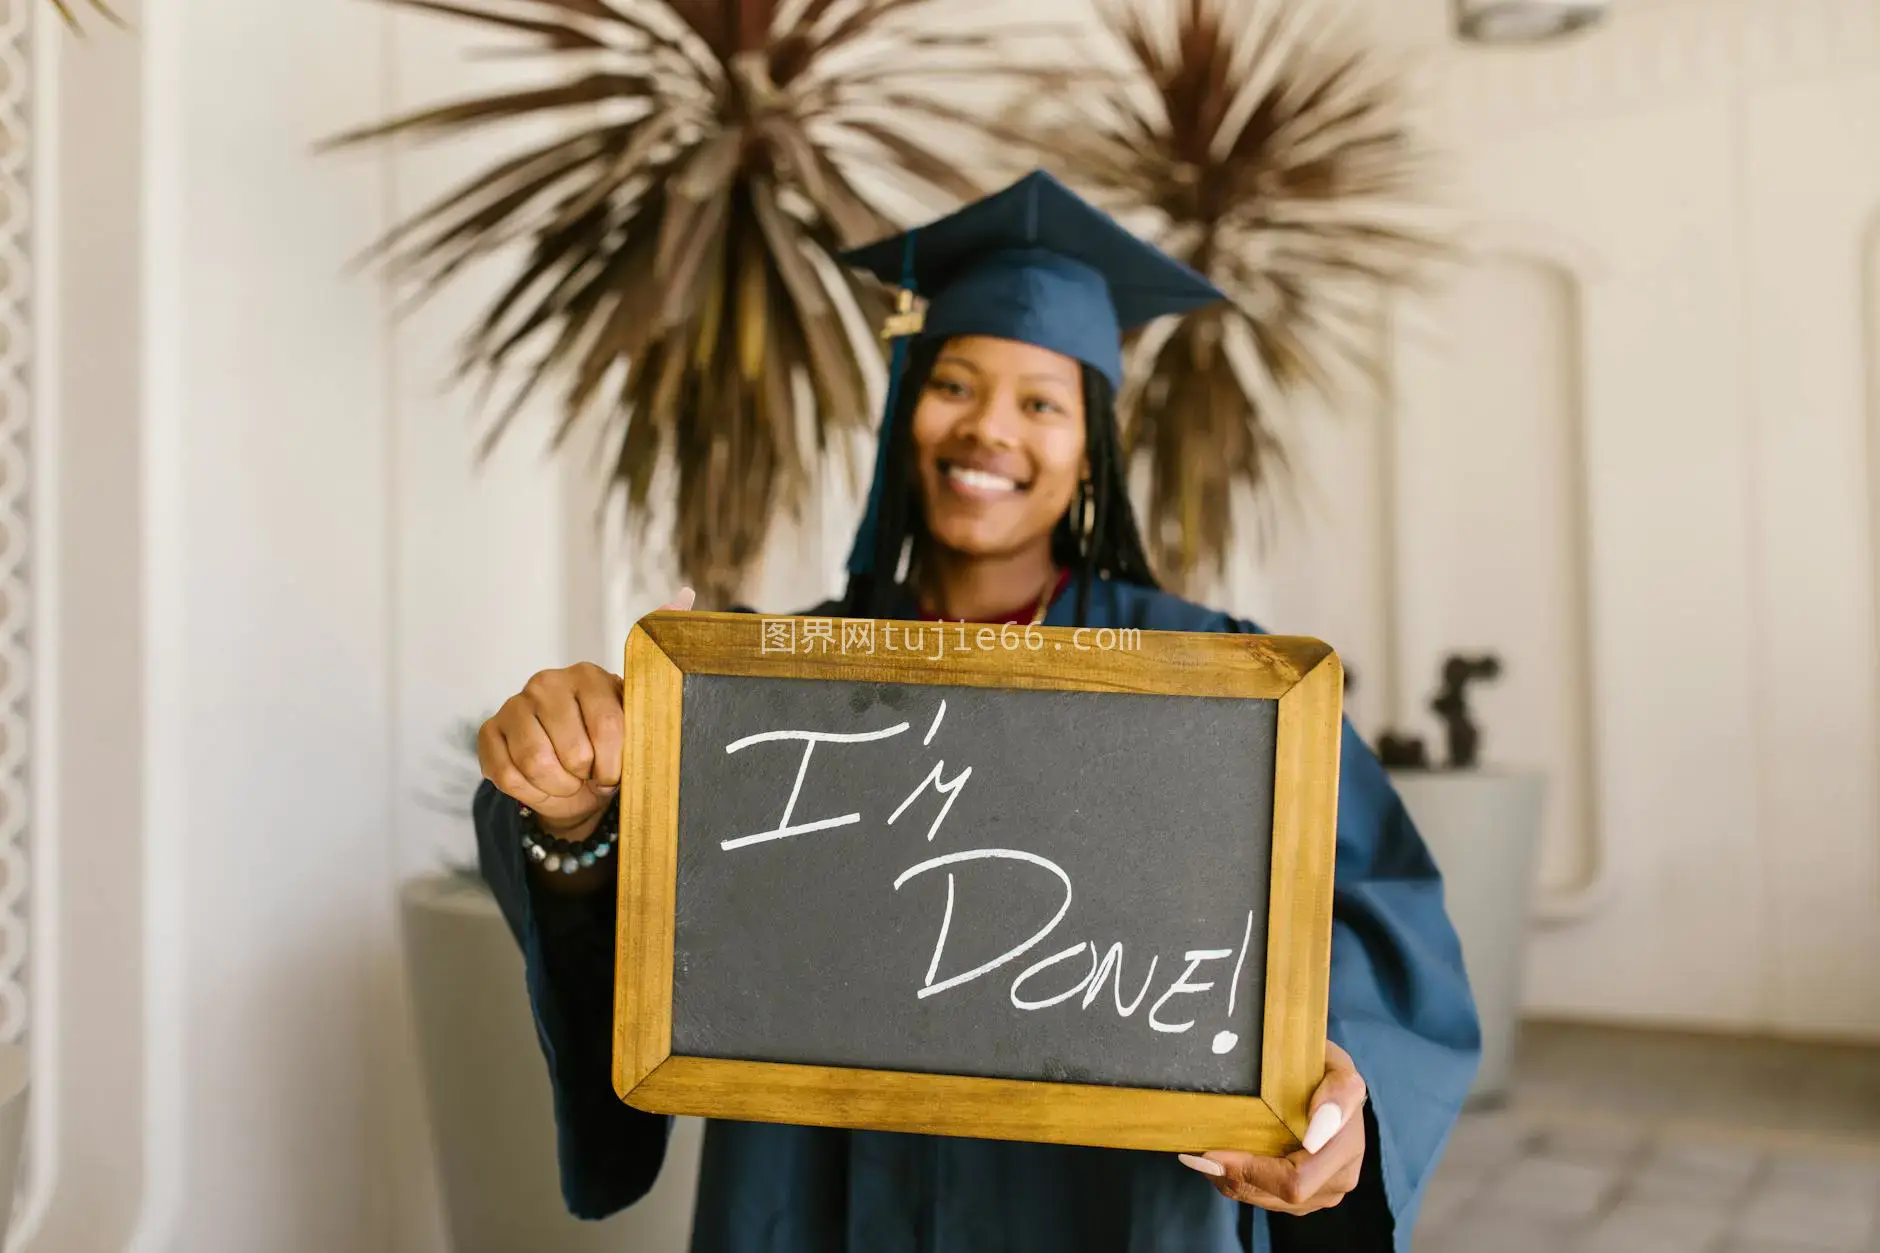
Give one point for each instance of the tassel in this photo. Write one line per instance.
(862, 555)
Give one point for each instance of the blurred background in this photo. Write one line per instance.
(1555, 354)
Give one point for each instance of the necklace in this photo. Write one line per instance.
(1044, 598)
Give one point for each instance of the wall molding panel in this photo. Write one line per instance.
(1869, 270)
(1492, 549)
(21, 674)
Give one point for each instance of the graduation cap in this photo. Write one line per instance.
(1033, 263)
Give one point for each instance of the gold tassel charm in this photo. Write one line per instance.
(905, 320)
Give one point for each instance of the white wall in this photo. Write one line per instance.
(277, 502)
(91, 912)
(278, 583)
(1630, 449)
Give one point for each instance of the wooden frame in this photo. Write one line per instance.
(1303, 675)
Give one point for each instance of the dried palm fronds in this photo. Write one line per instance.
(1275, 157)
(71, 18)
(677, 233)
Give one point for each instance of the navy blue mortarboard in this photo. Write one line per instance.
(1033, 263)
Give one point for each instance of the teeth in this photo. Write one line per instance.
(981, 479)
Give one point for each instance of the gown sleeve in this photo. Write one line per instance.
(1400, 1005)
(609, 1153)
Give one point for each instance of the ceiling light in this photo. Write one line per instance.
(1525, 21)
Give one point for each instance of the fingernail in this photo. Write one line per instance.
(685, 598)
(1202, 1164)
(1323, 1127)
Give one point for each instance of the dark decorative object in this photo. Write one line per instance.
(1452, 706)
(1403, 751)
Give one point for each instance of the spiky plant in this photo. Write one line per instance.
(461, 774)
(676, 234)
(1273, 154)
(71, 17)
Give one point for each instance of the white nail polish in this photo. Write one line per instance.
(1202, 1164)
(1323, 1127)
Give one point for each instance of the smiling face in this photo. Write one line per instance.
(998, 445)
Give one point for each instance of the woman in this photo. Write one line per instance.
(999, 496)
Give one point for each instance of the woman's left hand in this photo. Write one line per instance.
(1315, 1177)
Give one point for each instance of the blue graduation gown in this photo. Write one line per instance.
(1400, 1005)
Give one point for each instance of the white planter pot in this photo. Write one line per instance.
(1483, 827)
(486, 1090)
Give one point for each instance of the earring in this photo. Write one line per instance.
(1087, 505)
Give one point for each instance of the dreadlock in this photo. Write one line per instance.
(1112, 548)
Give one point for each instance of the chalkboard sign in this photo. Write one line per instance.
(1045, 884)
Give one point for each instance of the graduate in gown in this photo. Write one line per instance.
(999, 496)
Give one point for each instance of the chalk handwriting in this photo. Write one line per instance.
(1181, 985)
(810, 740)
(983, 854)
(946, 921)
(1113, 960)
(1224, 1041)
(949, 788)
(1034, 987)
(1046, 964)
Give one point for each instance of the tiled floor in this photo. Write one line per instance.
(1617, 1142)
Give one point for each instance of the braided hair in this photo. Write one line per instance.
(1113, 546)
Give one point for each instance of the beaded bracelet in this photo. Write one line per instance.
(569, 856)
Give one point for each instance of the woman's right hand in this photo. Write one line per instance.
(556, 745)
